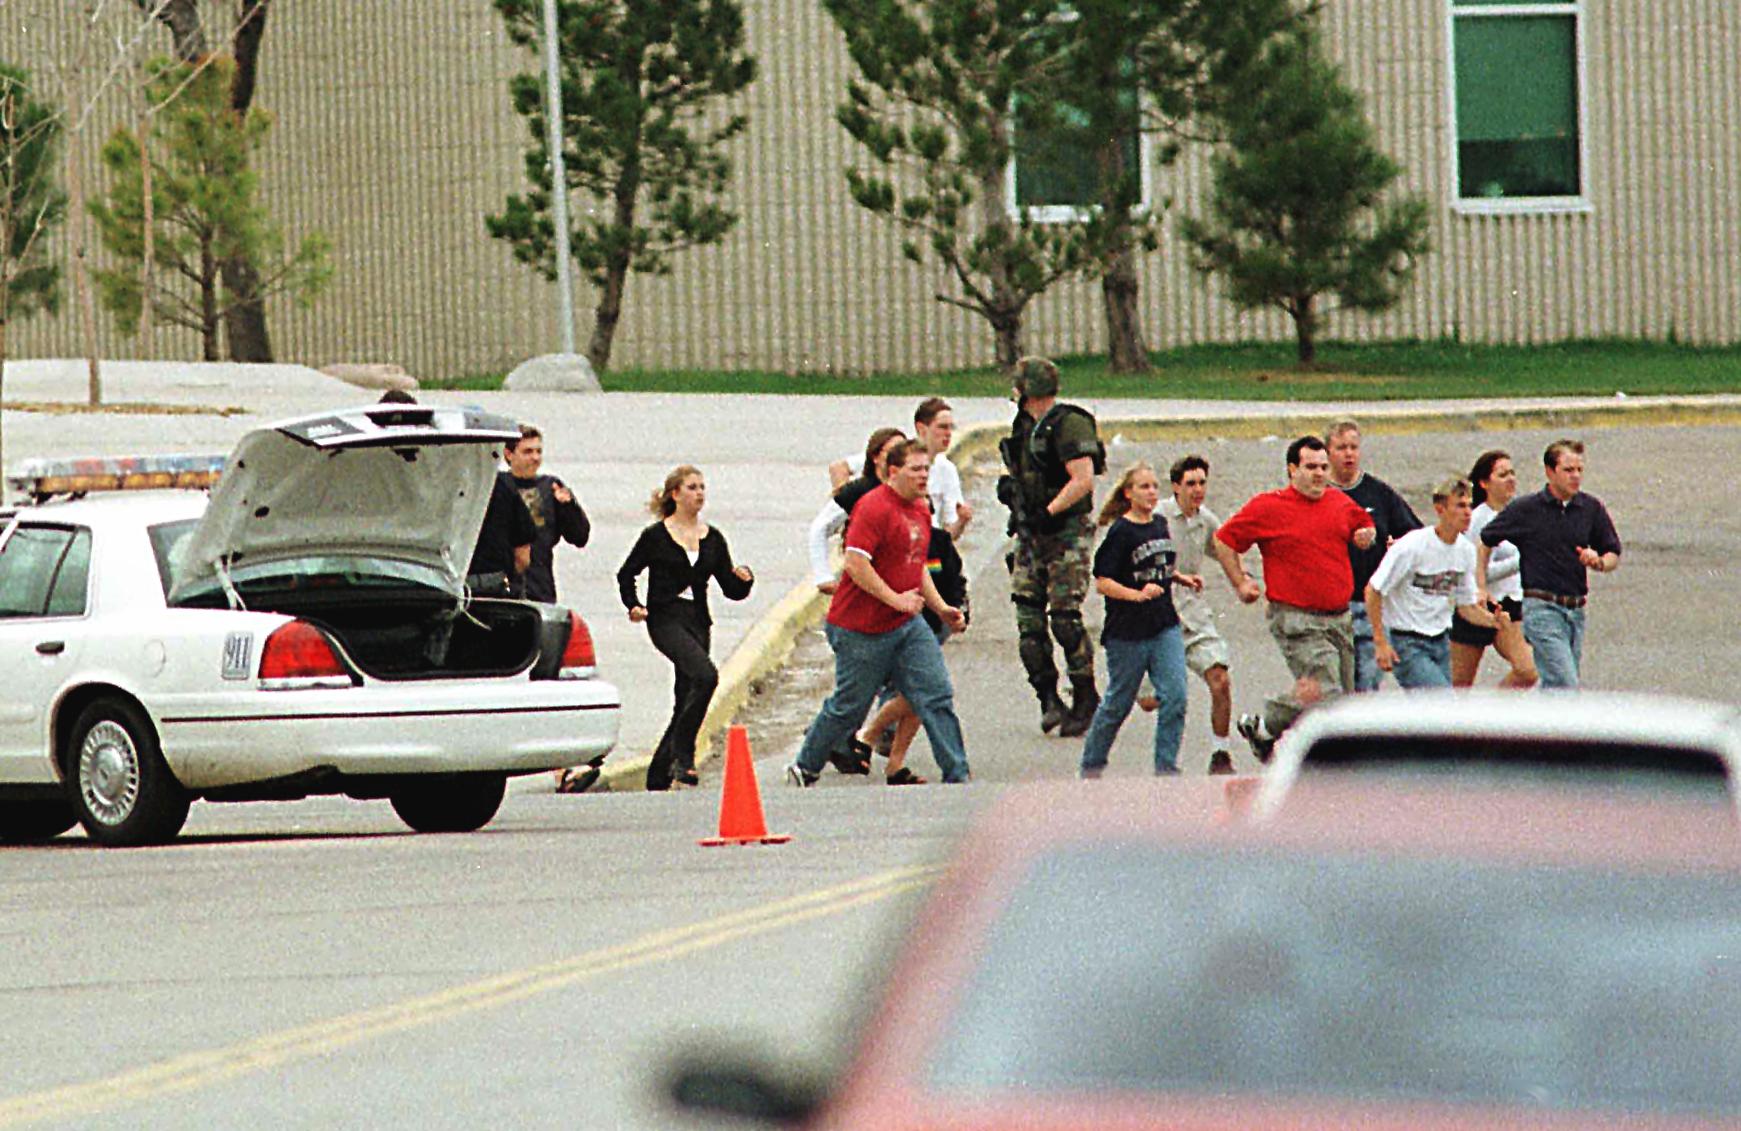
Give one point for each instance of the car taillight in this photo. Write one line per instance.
(578, 658)
(298, 655)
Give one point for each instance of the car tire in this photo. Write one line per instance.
(32, 822)
(118, 784)
(450, 803)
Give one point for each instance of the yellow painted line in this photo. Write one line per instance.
(213, 1066)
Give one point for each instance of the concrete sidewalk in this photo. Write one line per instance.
(764, 456)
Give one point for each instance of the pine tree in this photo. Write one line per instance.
(31, 202)
(940, 81)
(204, 206)
(1299, 206)
(642, 138)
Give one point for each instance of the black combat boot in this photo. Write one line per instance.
(1084, 699)
(1052, 709)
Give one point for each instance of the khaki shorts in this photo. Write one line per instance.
(1204, 650)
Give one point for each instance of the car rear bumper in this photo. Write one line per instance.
(233, 738)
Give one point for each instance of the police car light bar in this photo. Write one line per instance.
(42, 478)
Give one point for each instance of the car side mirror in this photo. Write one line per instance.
(743, 1089)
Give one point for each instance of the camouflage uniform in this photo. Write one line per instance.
(1051, 568)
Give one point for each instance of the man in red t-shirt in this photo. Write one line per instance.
(874, 625)
(1303, 532)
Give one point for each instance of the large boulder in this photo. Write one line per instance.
(553, 373)
(372, 375)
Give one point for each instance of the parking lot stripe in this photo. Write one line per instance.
(213, 1066)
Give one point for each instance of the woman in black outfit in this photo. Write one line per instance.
(679, 553)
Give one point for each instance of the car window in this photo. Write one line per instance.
(72, 580)
(337, 576)
(1594, 762)
(28, 563)
(1149, 969)
(166, 539)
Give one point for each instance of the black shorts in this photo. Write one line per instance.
(1462, 632)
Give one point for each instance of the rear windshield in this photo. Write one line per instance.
(1608, 764)
(1132, 967)
(338, 576)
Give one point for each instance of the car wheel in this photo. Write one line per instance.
(119, 785)
(29, 822)
(451, 803)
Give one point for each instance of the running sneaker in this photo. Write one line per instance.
(1251, 729)
(799, 777)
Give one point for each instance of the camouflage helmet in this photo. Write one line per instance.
(1036, 377)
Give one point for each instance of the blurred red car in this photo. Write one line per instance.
(1376, 956)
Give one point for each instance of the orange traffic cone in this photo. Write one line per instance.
(740, 802)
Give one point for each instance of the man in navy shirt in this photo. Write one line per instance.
(1390, 515)
(1560, 532)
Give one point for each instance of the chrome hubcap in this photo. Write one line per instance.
(109, 772)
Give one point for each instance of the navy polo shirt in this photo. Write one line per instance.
(1547, 533)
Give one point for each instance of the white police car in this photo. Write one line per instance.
(307, 631)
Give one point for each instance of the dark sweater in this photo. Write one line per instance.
(669, 573)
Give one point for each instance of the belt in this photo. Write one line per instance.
(1559, 599)
(1342, 612)
(1420, 635)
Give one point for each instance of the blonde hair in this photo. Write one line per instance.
(1117, 504)
(663, 504)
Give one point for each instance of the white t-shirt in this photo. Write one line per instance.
(1503, 579)
(1423, 579)
(1191, 538)
(944, 487)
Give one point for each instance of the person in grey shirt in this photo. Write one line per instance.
(1193, 525)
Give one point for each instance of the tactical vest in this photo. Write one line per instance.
(1043, 472)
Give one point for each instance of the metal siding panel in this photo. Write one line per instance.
(394, 135)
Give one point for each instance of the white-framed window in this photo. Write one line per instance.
(1055, 175)
(1517, 106)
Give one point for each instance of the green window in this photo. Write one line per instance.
(1058, 169)
(1517, 99)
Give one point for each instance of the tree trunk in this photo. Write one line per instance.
(210, 319)
(79, 223)
(1007, 325)
(182, 19)
(245, 317)
(245, 47)
(1305, 331)
(606, 315)
(148, 226)
(1119, 289)
(617, 263)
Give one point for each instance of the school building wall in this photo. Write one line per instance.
(394, 136)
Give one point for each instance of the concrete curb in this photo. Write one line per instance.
(770, 641)
(979, 440)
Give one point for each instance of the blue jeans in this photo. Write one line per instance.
(1367, 673)
(1556, 633)
(1422, 661)
(1162, 659)
(910, 658)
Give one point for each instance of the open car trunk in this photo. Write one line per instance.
(418, 633)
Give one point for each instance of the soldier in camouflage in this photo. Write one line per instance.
(1051, 456)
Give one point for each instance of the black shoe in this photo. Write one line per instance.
(1221, 762)
(578, 779)
(1084, 701)
(855, 759)
(1261, 747)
